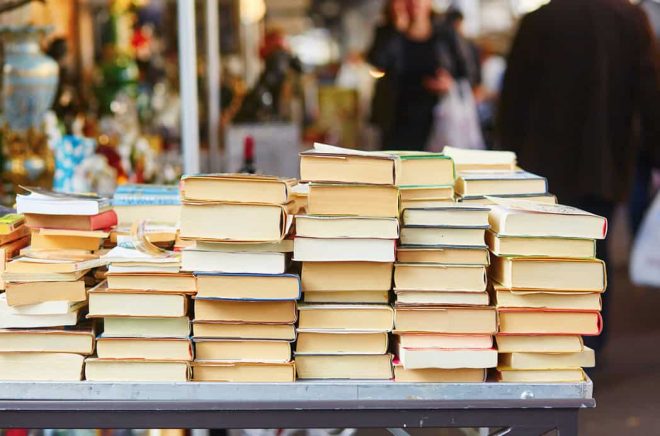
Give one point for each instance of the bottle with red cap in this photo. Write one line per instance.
(248, 156)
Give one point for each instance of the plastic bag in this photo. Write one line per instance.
(645, 257)
(456, 122)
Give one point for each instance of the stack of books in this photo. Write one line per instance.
(14, 236)
(346, 243)
(444, 325)
(155, 203)
(482, 173)
(425, 179)
(45, 288)
(245, 304)
(547, 285)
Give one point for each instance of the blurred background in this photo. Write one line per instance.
(95, 93)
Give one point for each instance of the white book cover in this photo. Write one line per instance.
(344, 250)
(236, 262)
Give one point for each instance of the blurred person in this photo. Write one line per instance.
(420, 59)
(580, 76)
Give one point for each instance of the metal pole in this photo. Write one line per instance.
(188, 86)
(213, 85)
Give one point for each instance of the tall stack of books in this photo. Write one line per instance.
(444, 326)
(482, 173)
(346, 243)
(45, 292)
(547, 285)
(245, 306)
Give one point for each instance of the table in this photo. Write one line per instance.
(516, 409)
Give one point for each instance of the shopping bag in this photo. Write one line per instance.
(455, 120)
(645, 257)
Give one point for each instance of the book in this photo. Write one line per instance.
(353, 317)
(494, 183)
(146, 268)
(41, 366)
(539, 343)
(193, 259)
(346, 296)
(449, 255)
(425, 203)
(10, 222)
(349, 367)
(78, 340)
(27, 293)
(551, 322)
(438, 375)
(243, 222)
(424, 168)
(56, 307)
(381, 201)
(540, 375)
(180, 283)
(243, 350)
(546, 300)
(153, 213)
(326, 163)
(248, 286)
(584, 275)
(443, 298)
(348, 276)
(13, 248)
(132, 194)
(23, 321)
(525, 360)
(283, 246)
(267, 312)
(525, 218)
(340, 342)
(537, 246)
(56, 239)
(284, 332)
(489, 200)
(117, 303)
(241, 188)
(36, 266)
(237, 372)
(19, 233)
(121, 327)
(43, 201)
(472, 320)
(485, 160)
(443, 235)
(420, 358)
(435, 277)
(101, 221)
(456, 216)
(11, 277)
(179, 349)
(344, 250)
(426, 192)
(311, 226)
(138, 370)
(162, 235)
(446, 341)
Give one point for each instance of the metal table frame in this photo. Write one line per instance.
(513, 409)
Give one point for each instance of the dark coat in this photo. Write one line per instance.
(580, 76)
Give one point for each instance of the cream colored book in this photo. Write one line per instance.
(484, 160)
(340, 342)
(438, 375)
(529, 273)
(551, 322)
(344, 250)
(179, 349)
(286, 332)
(380, 201)
(440, 340)
(489, 200)
(346, 317)
(437, 235)
(348, 276)
(540, 375)
(547, 300)
(539, 343)
(346, 297)
(472, 183)
(104, 303)
(243, 350)
(433, 277)
(524, 360)
(242, 188)
(540, 246)
(420, 358)
(248, 286)
(23, 366)
(130, 370)
(21, 294)
(454, 215)
(426, 202)
(122, 327)
(196, 260)
(350, 367)
(424, 168)
(426, 192)
(158, 282)
(443, 254)
(269, 312)
(51, 340)
(244, 372)
(345, 227)
(443, 298)
(466, 320)
(167, 214)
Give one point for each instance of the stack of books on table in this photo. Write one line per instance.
(154, 203)
(547, 285)
(346, 243)
(45, 294)
(14, 236)
(425, 179)
(245, 306)
(444, 326)
(482, 173)
(144, 308)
